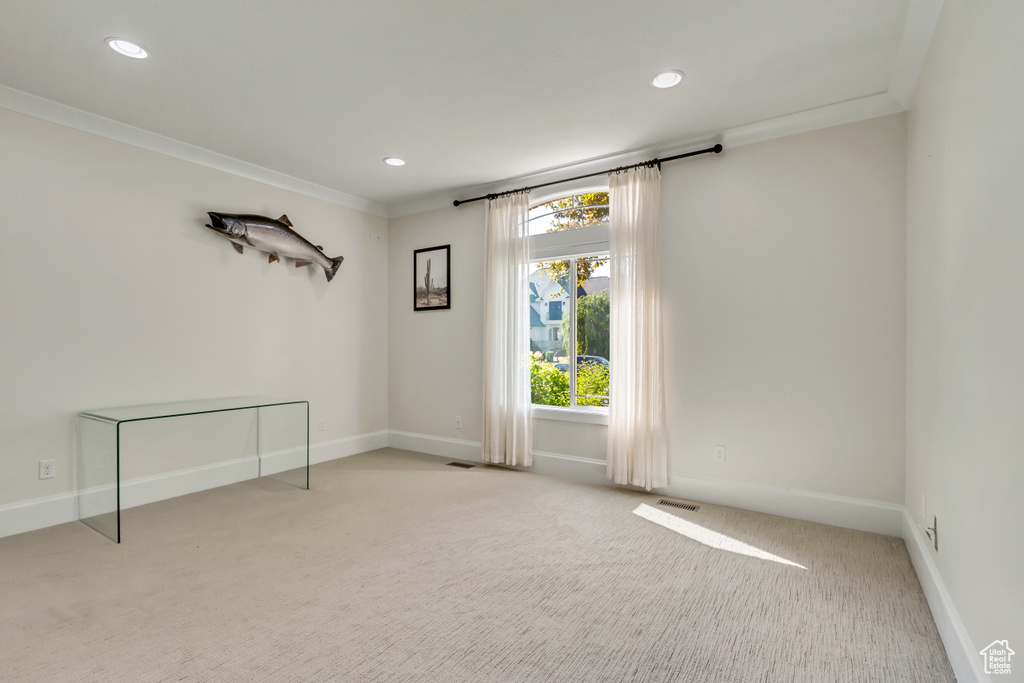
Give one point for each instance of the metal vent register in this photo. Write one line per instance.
(682, 506)
(461, 465)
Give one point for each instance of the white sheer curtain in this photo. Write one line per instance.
(636, 411)
(508, 433)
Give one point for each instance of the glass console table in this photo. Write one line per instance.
(281, 424)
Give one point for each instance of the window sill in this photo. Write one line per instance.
(597, 416)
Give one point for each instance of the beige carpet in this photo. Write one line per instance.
(395, 567)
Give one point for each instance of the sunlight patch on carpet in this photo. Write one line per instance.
(712, 539)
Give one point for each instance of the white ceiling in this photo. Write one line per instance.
(469, 92)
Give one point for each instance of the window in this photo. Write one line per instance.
(569, 273)
(569, 213)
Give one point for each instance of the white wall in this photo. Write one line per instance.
(114, 294)
(965, 331)
(784, 301)
(784, 311)
(435, 357)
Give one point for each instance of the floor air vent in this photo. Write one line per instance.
(461, 465)
(682, 506)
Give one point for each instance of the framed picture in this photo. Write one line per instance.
(431, 278)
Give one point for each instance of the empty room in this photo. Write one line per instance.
(362, 341)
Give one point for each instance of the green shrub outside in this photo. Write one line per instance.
(591, 384)
(549, 386)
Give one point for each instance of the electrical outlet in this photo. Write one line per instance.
(719, 453)
(323, 423)
(458, 422)
(47, 469)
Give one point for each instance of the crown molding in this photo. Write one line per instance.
(918, 30)
(592, 165)
(837, 114)
(62, 114)
(801, 122)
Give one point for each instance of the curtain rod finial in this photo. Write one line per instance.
(718, 149)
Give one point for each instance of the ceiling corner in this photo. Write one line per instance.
(918, 29)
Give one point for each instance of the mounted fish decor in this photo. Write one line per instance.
(274, 237)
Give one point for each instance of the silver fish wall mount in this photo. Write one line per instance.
(273, 236)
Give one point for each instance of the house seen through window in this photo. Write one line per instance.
(570, 304)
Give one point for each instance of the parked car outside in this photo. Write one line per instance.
(595, 360)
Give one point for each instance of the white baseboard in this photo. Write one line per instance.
(589, 470)
(554, 464)
(852, 513)
(456, 449)
(963, 655)
(146, 490)
(351, 445)
(39, 513)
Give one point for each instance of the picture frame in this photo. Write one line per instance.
(431, 281)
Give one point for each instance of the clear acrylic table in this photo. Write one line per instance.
(99, 448)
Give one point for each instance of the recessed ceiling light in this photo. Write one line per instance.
(127, 48)
(667, 79)
(394, 161)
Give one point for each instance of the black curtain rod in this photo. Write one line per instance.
(651, 162)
